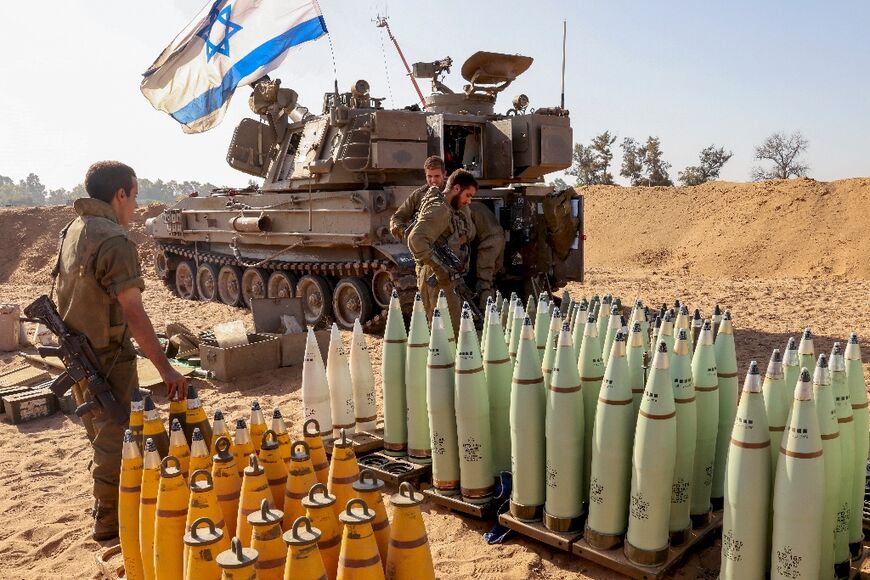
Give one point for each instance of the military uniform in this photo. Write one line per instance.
(488, 254)
(95, 263)
(438, 222)
(406, 212)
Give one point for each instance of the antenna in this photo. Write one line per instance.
(564, 38)
(381, 22)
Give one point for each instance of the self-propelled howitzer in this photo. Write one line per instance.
(318, 227)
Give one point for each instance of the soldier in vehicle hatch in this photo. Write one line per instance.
(488, 243)
(99, 294)
(444, 218)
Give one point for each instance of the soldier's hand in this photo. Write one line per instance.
(176, 384)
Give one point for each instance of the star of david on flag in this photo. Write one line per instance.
(229, 43)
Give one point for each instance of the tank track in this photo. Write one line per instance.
(362, 269)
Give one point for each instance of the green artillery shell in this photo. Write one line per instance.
(807, 351)
(610, 470)
(687, 433)
(858, 394)
(528, 447)
(471, 402)
(697, 325)
(340, 385)
(726, 365)
(652, 467)
(682, 322)
(507, 320)
(706, 383)
(591, 370)
(485, 330)
(448, 319)
(603, 316)
(419, 439)
(746, 523)
(549, 352)
(843, 404)
(531, 308)
(516, 328)
(393, 377)
(564, 434)
(832, 459)
(499, 370)
(645, 330)
(666, 332)
(542, 324)
(614, 325)
(315, 388)
(578, 326)
(777, 395)
(717, 320)
(442, 417)
(791, 368)
(363, 378)
(634, 360)
(798, 505)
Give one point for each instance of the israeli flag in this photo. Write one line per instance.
(229, 43)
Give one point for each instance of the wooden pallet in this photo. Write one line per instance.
(615, 559)
(363, 443)
(537, 531)
(395, 470)
(457, 504)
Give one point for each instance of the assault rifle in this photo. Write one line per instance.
(456, 268)
(78, 357)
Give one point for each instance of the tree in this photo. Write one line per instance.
(603, 156)
(558, 184)
(583, 165)
(632, 161)
(711, 161)
(784, 150)
(656, 167)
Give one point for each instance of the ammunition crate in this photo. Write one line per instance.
(262, 353)
(30, 405)
(9, 391)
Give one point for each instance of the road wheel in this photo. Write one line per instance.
(253, 285)
(206, 282)
(352, 299)
(281, 285)
(161, 265)
(382, 288)
(230, 285)
(316, 298)
(185, 285)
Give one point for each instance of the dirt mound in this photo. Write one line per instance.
(771, 229)
(30, 235)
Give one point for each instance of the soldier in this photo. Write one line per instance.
(488, 243)
(99, 285)
(444, 218)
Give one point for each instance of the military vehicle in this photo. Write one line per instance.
(318, 227)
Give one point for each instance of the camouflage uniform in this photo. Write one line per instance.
(406, 212)
(437, 221)
(488, 249)
(96, 262)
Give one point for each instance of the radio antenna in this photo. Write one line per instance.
(381, 22)
(564, 38)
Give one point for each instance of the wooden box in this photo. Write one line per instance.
(262, 353)
(267, 314)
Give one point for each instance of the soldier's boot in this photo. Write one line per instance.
(105, 520)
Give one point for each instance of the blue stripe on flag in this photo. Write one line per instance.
(214, 98)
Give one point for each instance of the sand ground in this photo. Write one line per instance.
(778, 263)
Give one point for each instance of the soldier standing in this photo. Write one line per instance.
(444, 219)
(489, 240)
(99, 294)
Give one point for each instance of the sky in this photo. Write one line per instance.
(692, 73)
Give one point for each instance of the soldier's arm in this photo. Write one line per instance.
(431, 223)
(142, 330)
(405, 214)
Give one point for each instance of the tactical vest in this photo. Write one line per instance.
(81, 301)
(461, 230)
